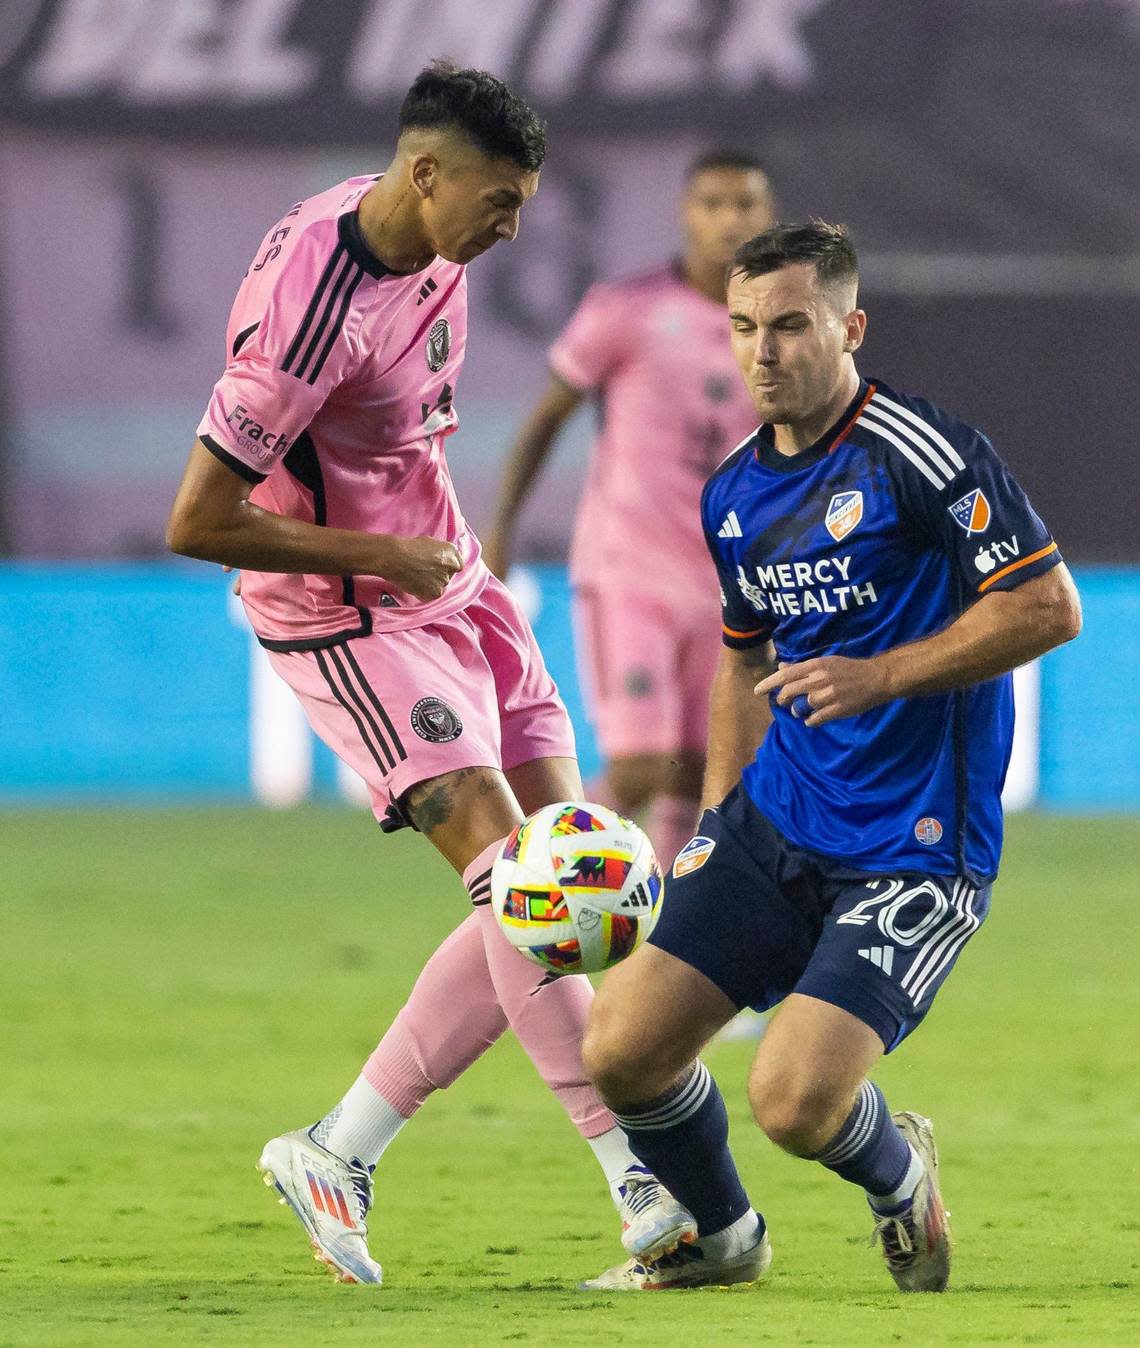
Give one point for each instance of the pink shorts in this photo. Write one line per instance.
(400, 707)
(646, 666)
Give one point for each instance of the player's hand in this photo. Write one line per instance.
(237, 581)
(421, 566)
(828, 688)
(497, 553)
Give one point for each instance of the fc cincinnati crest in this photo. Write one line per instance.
(693, 856)
(433, 720)
(844, 512)
(438, 344)
(972, 512)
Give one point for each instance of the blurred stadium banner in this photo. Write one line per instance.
(984, 160)
(140, 682)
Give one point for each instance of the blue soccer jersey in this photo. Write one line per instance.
(880, 534)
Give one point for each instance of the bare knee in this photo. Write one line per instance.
(683, 775)
(634, 781)
(631, 1055)
(800, 1116)
(462, 812)
(612, 1066)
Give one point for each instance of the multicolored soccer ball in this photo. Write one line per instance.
(576, 888)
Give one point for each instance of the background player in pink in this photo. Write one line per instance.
(654, 350)
(320, 472)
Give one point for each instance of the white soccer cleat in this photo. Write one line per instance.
(653, 1223)
(916, 1241)
(330, 1197)
(685, 1267)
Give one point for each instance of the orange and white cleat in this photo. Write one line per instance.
(653, 1223)
(686, 1267)
(330, 1197)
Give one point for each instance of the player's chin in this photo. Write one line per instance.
(770, 401)
(474, 248)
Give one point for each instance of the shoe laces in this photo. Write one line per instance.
(896, 1233)
(678, 1258)
(639, 1194)
(361, 1178)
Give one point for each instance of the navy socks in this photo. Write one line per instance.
(683, 1138)
(871, 1152)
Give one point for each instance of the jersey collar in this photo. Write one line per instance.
(352, 239)
(770, 457)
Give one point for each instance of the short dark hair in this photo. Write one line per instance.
(827, 247)
(723, 158)
(481, 106)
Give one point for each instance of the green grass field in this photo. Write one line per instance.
(178, 986)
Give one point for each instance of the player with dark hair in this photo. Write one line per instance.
(320, 471)
(881, 574)
(654, 350)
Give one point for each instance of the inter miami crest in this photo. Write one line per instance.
(438, 344)
(433, 720)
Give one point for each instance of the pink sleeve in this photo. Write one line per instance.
(593, 342)
(285, 366)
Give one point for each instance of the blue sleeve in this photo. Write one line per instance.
(961, 498)
(744, 621)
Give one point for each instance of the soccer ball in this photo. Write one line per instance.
(576, 888)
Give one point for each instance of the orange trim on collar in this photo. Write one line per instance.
(858, 413)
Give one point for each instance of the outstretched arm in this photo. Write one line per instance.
(528, 454)
(738, 720)
(212, 519)
(1002, 630)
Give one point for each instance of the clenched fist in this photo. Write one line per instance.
(421, 566)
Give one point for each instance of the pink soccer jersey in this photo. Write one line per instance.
(673, 404)
(335, 401)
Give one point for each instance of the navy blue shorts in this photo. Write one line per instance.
(762, 918)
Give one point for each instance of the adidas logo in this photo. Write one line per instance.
(730, 528)
(881, 956)
(425, 290)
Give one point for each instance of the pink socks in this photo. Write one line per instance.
(473, 986)
(548, 1016)
(450, 1019)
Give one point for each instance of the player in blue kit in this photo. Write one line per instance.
(882, 573)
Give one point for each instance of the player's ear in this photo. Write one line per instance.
(855, 328)
(424, 172)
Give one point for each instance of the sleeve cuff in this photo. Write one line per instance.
(1025, 568)
(231, 461)
(742, 641)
